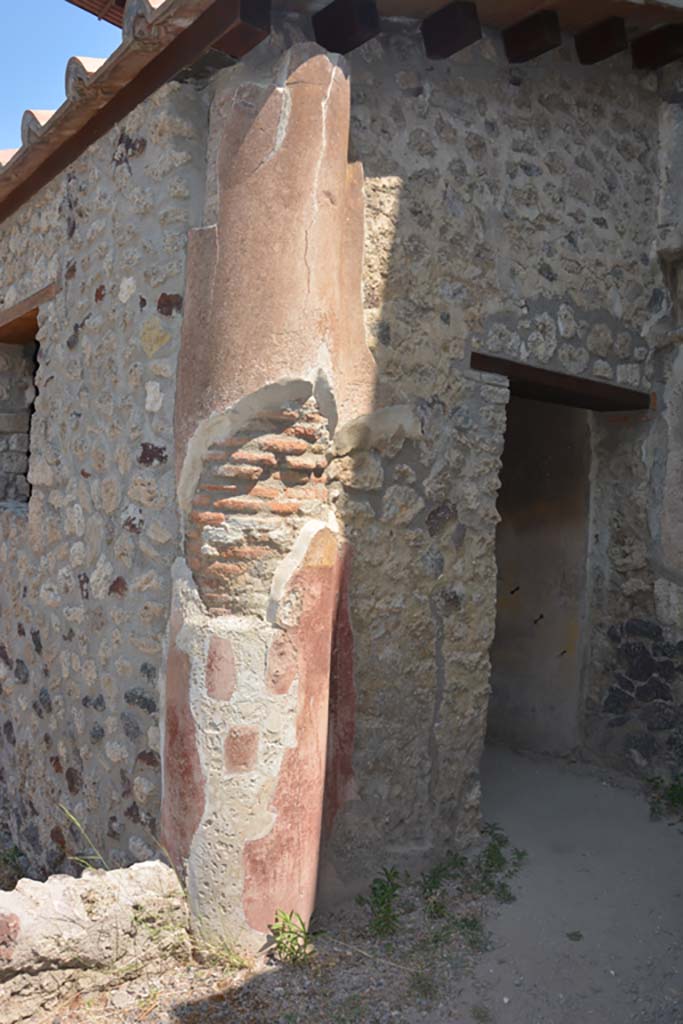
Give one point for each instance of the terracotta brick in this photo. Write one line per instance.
(306, 463)
(241, 505)
(208, 518)
(201, 501)
(255, 458)
(283, 445)
(222, 570)
(271, 489)
(242, 472)
(241, 748)
(284, 508)
(305, 430)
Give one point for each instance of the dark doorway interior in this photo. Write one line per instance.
(541, 550)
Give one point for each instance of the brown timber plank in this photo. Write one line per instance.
(561, 388)
(19, 323)
(450, 30)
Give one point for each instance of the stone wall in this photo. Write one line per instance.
(85, 565)
(511, 211)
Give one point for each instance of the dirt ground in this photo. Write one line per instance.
(595, 933)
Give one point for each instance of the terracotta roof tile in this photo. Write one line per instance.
(90, 83)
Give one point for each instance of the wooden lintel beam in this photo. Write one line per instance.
(532, 37)
(346, 24)
(19, 322)
(450, 29)
(602, 41)
(658, 48)
(253, 28)
(561, 388)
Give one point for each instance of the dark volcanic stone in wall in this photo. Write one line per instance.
(638, 661)
(646, 692)
(642, 627)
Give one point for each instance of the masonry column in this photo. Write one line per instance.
(272, 348)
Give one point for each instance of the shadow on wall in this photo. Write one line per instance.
(410, 673)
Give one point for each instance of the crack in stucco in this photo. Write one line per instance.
(316, 176)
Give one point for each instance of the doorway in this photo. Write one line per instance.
(541, 551)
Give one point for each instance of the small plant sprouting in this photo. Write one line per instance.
(292, 938)
(496, 864)
(382, 903)
(431, 882)
(473, 932)
(423, 985)
(666, 798)
(86, 860)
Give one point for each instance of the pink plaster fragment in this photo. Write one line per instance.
(183, 796)
(241, 749)
(221, 674)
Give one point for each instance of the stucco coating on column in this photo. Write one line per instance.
(281, 867)
(183, 781)
(273, 356)
(273, 290)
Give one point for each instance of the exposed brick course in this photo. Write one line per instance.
(255, 485)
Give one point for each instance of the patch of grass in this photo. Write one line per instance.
(488, 874)
(292, 938)
(482, 1015)
(382, 903)
(423, 985)
(472, 930)
(495, 865)
(666, 799)
(220, 954)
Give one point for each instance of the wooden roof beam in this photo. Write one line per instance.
(451, 29)
(658, 48)
(346, 24)
(532, 37)
(602, 41)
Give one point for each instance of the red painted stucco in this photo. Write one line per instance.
(183, 782)
(241, 749)
(281, 869)
(220, 668)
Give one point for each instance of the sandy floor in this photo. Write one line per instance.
(596, 934)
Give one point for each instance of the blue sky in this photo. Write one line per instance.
(37, 37)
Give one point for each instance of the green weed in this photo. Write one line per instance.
(666, 798)
(472, 930)
(495, 865)
(292, 938)
(423, 985)
(382, 903)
